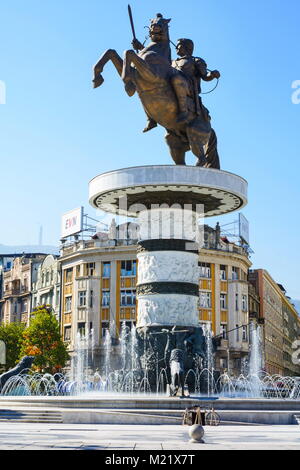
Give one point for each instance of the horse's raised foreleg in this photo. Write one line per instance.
(127, 73)
(142, 68)
(112, 55)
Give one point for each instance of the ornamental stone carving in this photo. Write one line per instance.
(167, 310)
(168, 266)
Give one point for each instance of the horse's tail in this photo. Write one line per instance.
(211, 152)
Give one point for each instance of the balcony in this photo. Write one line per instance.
(16, 291)
(10, 292)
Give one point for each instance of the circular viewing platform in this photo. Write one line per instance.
(123, 191)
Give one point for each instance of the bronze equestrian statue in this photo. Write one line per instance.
(169, 91)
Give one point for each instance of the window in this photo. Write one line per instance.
(91, 298)
(235, 273)
(223, 330)
(81, 329)
(205, 270)
(223, 301)
(236, 301)
(57, 297)
(69, 274)
(106, 270)
(82, 298)
(47, 277)
(223, 363)
(67, 333)
(105, 298)
(24, 306)
(104, 328)
(237, 333)
(89, 269)
(245, 333)
(205, 299)
(223, 275)
(78, 270)
(128, 297)
(128, 268)
(124, 314)
(68, 303)
(129, 324)
(244, 303)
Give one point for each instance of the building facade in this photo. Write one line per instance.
(46, 288)
(281, 324)
(291, 335)
(17, 288)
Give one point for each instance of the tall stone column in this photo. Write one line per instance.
(168, 273)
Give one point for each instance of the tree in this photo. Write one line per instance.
(12, 335)
(42, 339)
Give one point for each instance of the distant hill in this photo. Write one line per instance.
(20, 249)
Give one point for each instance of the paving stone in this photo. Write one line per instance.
(31, 436)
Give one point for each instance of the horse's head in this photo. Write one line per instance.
(159, 28)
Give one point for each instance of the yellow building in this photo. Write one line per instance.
(99, 292)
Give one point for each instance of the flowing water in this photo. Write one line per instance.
(131, 379)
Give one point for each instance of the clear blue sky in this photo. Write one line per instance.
(57, 132)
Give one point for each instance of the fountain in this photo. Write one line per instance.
(255, 359)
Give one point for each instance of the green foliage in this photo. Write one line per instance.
(12, 335)
(42, 339)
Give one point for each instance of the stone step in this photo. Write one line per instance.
(30, 416)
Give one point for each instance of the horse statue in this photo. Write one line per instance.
(174, 357)
(162, 90)
(20, 369)
(177, 372)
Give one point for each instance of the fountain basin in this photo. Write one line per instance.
(149, 410)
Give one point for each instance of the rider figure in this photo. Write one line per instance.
(186, 81)
(193, 69)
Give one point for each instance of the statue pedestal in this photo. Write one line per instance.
(168, 201)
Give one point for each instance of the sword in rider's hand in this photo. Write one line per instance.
(132, 25)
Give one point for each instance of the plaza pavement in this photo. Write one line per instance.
(41, 436)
